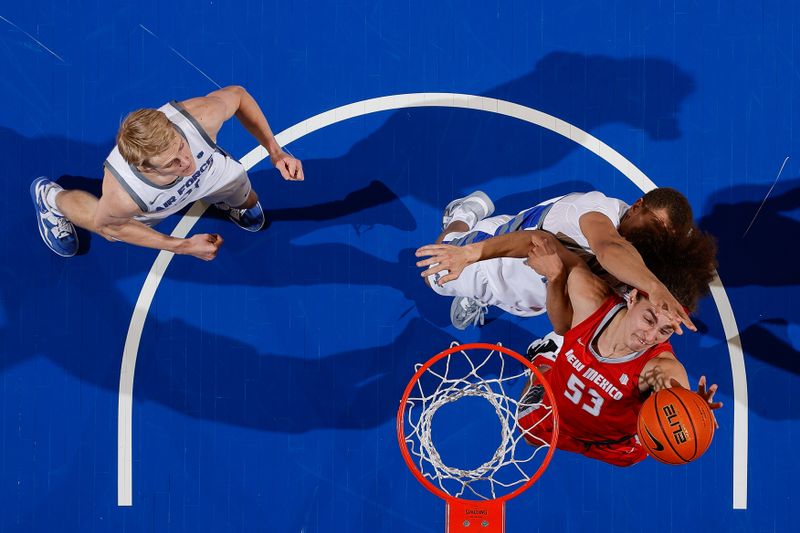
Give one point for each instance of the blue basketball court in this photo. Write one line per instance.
(258, 392)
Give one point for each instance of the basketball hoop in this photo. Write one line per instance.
(476, 496)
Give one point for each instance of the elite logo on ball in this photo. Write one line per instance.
(678, 433)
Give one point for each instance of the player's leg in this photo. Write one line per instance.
(462, 214)
(456, 226)
(625, 453)
(237, 199)
(459, 218)
(79, 207)
(532, 416)
(250, 201)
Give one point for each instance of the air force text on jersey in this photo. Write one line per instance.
(191, 184)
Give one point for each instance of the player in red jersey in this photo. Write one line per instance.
(616, 350)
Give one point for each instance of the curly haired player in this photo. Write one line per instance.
(616, 350)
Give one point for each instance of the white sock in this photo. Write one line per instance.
(50, 200)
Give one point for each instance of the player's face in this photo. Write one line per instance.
(645, 328)
(177, 160)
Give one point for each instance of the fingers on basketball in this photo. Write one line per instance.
(676, 426)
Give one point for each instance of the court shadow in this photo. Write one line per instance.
(239, 385)
(729, 213)
(429, 155)
(772, 394)
(436, 154)
(770, 338)
(754, 243)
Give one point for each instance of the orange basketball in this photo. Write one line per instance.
(675, 426)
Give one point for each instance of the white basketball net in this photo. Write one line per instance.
(506, 469)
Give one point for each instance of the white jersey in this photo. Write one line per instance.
(509, 283)
(563, 221)
(563, 217)
(217, 174)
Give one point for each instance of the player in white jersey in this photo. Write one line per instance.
(480, 261)
(163, 160)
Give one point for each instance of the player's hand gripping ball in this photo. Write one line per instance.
(675, 425)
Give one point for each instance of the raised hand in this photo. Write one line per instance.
(708, 395)
(665, 303)
(542, 256)
(445, 257)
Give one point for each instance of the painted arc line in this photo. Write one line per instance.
(401, 101)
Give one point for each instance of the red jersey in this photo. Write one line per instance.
(598, 398)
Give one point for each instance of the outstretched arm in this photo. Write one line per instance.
(660, 372)
(544, 259)
(113, 219)
(665, 371)
(573, 292)
(213, 110)
(456, 258)
(620, 259)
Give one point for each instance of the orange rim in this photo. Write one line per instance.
(401, 421)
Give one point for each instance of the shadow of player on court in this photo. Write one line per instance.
(757, 257)
(730, 211)
(436, 154)
(431, 155)
(407, 152)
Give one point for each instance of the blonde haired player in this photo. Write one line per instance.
(164, 159)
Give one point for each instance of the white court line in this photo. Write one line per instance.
(401, 101)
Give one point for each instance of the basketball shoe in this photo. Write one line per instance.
(56, 231)
(252, 219)
(470, 209)
(465, 312)
(545, 348)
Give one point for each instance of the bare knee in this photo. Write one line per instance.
(252, 198)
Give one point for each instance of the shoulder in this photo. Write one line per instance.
(205, 110)
(115, 200)
(211, 111)
(222, 102)
(599, 220)
(198, 106)
(577, 208)
(589, 200)
(587, 294)
(597, 202)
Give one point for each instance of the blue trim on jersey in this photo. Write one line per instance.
(530, 218)
(193, 121)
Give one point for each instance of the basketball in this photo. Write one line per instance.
(675, 426)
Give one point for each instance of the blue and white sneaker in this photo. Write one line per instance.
(252, 219)
(57, 232)
(465, 312)
(473, 208)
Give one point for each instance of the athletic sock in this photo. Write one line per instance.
(50, 200)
